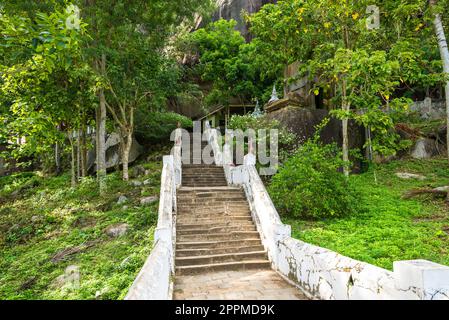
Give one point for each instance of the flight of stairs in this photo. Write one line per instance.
(215, 230)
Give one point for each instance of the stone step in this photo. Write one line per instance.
(205, 177)
(218, 244)
(224, 197)
(218, 184)
(195, 218)
(227, 266)
(202, 189)
(206, 170)
(210, 225)
(226, 200)
(202, 252)
(233, 235)
(186, 192)
(216, 207)
(212, 207)
(221, 258)
(212, 195)
(209, 181)
(201, 230)
(200, 180)
(217, 204)
(213, 219)
(201, 166)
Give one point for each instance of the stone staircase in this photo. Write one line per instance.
(215, 230)
(219, 253)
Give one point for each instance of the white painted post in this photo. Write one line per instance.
(429, 280)
(249, 160)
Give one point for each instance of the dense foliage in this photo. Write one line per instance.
(41, 217)
(235, 68)
(310, 184)
(365, 73)
(387, 227)
(69, 65)
(286, 140)
(156, 127)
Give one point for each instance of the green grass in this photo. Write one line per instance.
(39, 217)
(388, 228)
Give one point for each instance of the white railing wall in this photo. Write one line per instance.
(155, 279)
(322, 273)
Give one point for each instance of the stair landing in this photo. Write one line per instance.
(236, 285)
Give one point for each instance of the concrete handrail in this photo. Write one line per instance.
(155, 279)
(324, 274)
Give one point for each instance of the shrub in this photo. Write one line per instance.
(310, 184)
(286, 138)
(156, 127)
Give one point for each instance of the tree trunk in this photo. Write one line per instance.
(83, 152)
(345, 123)
(72, 160)
(101, 129)
(78, 154)
(57, 158)
(126, 149)
(444, 52)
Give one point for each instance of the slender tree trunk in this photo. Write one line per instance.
(345, 124)
(125, 154)
(444, 52)
(83, 152)
(101, 135)
(72, 160)
(78, 154)
(57, 158)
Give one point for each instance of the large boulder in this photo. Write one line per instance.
(232, 9)
(117, 230)
(113, 152)
(302, 122)
(425, 148)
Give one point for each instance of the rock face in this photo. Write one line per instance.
(407, 176)
(122, 200)
(117, 230)
(424, 149)
(429, 110)
(148, 200)
(113, 152)
(232, 9)
(71, 277)
(137, 171)
(136, 183)
(302, 122)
